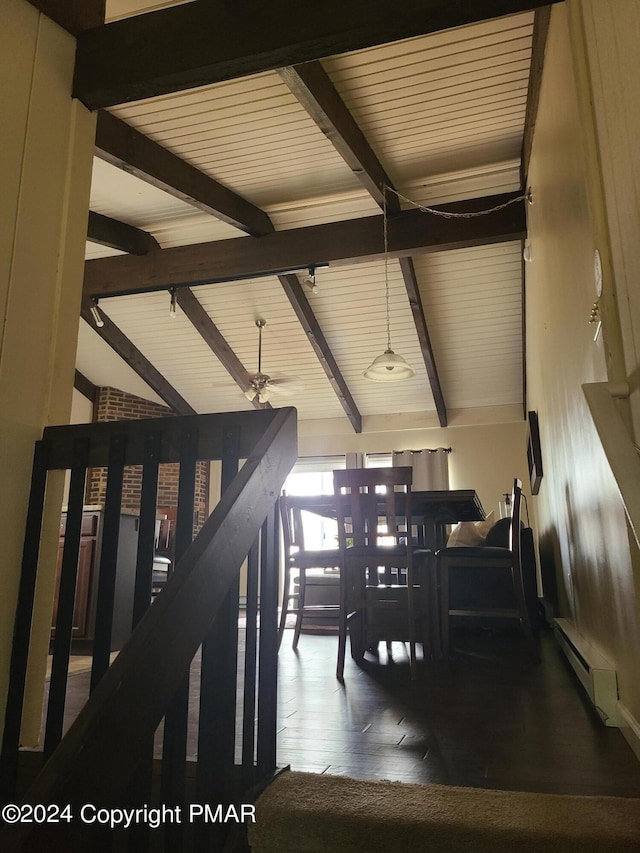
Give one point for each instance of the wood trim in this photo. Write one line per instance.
(309, 323)
(126, 148)
(523, 308)
(538, 47)
(212, 336)
(335, 243)
(119, 235)
(73, 16)
(121, 344)
(195, 44)
(85, 387)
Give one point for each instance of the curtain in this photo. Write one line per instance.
(354, 460)
(430, 467)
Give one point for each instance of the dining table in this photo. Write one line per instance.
(432, 512)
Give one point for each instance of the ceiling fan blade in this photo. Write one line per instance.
(286, 385)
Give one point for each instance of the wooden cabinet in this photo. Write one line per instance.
(87, 580)
(82, 615)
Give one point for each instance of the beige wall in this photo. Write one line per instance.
(45, 172)
(612, 36)
(580, 517)
(485, 457)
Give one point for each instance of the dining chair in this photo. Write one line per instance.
(300, 561)
(488, 560)
(377, 593)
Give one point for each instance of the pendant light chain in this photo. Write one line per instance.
(445, 214)
(386, 265)
(388, 367)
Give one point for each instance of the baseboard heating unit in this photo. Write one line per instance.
(596, 674)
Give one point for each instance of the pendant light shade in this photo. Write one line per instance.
(389, 367)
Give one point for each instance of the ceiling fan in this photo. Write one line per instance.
(261, 385)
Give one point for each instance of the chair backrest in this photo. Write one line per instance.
(292, 528)
(373, 505)
(515, 531)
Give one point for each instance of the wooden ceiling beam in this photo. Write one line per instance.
(85, 386)
(195, 44)
(314, 90)
(126, 349)
(119, 235)
(334, 243)
(125, 147)
(309, 323)
(538, 47)
(422, 330)
(73, 16)
(214, 339)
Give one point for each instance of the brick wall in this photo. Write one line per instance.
(114, 405)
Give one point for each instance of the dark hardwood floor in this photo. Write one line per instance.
(483, 719)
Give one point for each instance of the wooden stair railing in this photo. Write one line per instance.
(622, 453)
(106, 756)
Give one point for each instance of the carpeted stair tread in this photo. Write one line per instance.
(308, 813)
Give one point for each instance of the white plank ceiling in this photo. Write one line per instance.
(445, 115)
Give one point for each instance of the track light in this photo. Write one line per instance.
(310, 279)
(95, 313)
(173, 303)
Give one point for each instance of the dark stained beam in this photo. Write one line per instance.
(195, 44)
(73, 16)
(313, 88)
(309, 323)
(85, 387)
(212, 336)
(121, 344)
(336, 243)
(118, 235)
(125, 147)
(538, 47)
(428, 355)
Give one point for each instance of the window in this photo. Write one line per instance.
(311, 475)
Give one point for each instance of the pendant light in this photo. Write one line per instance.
(388, 367)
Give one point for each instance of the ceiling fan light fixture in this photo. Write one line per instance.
(389, 367)
(250, 393)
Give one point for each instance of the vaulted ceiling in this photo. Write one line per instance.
(230, 191)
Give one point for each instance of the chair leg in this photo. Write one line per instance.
(285, 603)
(444, 607)
(525, 621)
(342, 625)
(302, 588)
(412, 624)
(425, 608)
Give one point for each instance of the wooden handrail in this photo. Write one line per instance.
(618, 446)
(109, 737)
